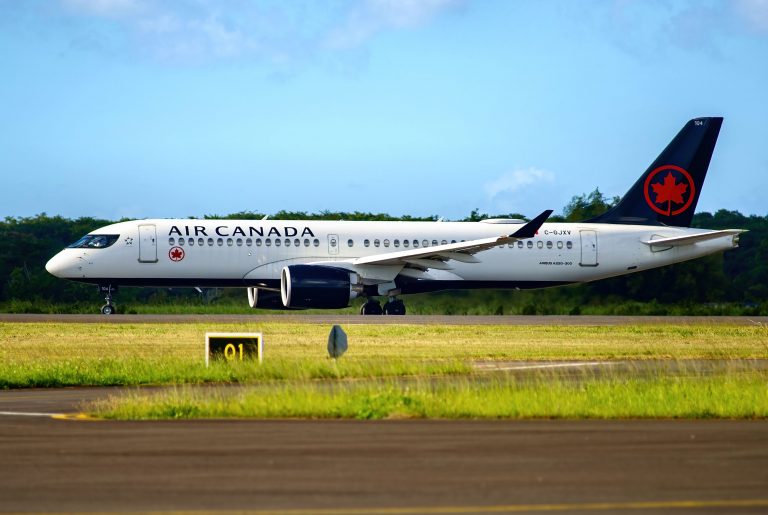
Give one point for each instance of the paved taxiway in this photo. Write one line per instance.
(59, 465)
(581, 320)
(417, 467)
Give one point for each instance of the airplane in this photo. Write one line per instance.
(327, 264)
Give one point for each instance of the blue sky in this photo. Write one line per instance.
(134, 108)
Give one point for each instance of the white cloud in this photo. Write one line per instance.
(754, 12)
(374, 16)
(104, 8)
(516, 180)
(275, 32)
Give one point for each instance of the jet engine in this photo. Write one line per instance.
(264, 299)
(316, 286)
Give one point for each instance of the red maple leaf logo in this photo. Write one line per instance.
(669, 191)
(176, 254)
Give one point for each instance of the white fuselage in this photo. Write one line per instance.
(253, 252)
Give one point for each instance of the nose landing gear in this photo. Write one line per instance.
(108, 290)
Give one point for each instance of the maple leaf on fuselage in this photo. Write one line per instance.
(669, 190)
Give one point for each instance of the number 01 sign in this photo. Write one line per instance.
(233, 347)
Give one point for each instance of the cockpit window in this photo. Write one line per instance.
(95, 241)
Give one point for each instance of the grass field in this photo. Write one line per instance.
(409, 370)
(742, 395)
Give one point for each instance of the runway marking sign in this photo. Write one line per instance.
(233, 347)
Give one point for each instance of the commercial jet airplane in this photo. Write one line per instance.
(326, 264)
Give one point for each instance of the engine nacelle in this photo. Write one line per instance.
(264, 299)
(315, 286)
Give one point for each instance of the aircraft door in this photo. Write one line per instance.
(588, 248)
(333, 244)
(147, 244)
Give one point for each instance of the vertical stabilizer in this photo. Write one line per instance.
(668, 191)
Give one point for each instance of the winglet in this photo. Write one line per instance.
(529, 230)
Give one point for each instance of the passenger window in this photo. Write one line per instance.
(415, 244)
(316, 242)
(530, 244)
(386, 243)
(425, 243)
(444, 242)
(306, 242)
(549, 244)
(229, 242)
(540, 244)
(405, 243)
(366, 243)
(297, 242)
(519, 244)
(239, 242)
(200, 242)
(376, 243)
(434, 243)
(181, 241)
(219, 242)
(210, 242)
(277, 242)
(350, 243)
(559, 244)
(569, 245)
(171, 241)
(258, 242)
(287, 242)
(396, 243)
(191, 242)
(268, 242)
(248, 242)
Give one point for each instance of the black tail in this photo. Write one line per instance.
(668, 191)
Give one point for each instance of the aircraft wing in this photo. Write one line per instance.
(435, 257)
(677, 241)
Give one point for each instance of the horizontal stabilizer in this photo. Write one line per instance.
(677, 241)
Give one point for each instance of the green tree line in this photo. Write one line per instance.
(737, 278)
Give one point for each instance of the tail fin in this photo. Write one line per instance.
(667, 193)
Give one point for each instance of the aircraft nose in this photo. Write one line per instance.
(58, 265)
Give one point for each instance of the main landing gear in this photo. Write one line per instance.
(108, 290)
(393, 306)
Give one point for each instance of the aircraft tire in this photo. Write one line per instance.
(394, 307)
(372, 307)
(108, 309)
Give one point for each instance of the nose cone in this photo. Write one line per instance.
(59, 265)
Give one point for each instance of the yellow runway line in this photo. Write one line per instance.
(452, 510)
(74, 416)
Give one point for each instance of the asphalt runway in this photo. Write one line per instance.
(386, 467)
(559, 320)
